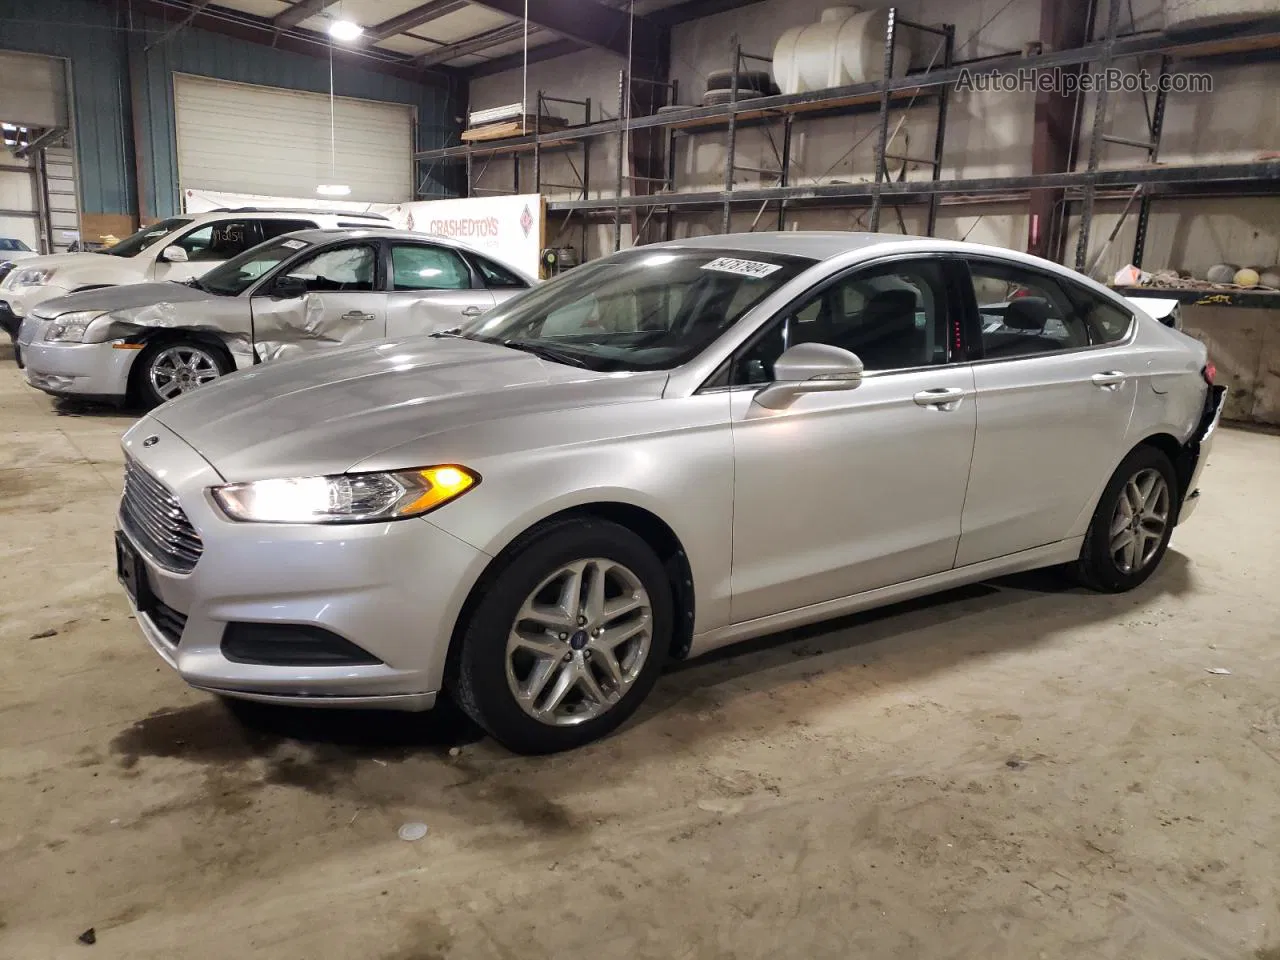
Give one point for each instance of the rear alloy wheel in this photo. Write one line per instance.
(1132, 525)
(171, 370)
(567, 638)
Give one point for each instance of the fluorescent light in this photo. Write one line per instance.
(345, 30)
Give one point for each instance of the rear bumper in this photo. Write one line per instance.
(1197, 451)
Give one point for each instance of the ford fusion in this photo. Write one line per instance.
(654, 455)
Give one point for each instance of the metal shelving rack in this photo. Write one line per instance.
(1258, 38)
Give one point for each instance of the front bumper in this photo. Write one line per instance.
(393, 589)
(77, 369)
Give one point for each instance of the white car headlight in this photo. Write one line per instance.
(345, 498)
(30, 277)
(71, 327)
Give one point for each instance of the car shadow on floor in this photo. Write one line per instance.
(1015, 612)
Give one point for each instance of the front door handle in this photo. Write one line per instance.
(357, 316)
(940, 398)
(1109, 380)
(472, 312)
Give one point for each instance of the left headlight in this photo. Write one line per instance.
(30, 277)
(71, 327)
(345, 498)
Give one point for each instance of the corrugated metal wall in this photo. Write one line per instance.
(101, 49)
(84, 33)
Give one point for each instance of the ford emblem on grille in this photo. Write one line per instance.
(150, 441)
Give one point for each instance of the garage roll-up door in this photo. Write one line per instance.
(242, 138)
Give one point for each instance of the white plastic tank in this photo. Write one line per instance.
(842, 48)
(1186, 14)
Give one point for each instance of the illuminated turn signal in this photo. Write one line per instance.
(442, 485)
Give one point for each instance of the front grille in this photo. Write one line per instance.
(168, 621)
(157, 522)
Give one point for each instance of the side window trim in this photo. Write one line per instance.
(1064, 283)
(720, 377)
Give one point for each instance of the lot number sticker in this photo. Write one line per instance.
(743, 268)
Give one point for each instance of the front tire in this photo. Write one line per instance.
(1132, 525)
(171, 368)
(566, 638)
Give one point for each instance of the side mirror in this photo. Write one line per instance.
(174, 254)
(289, 288)
(810, 368)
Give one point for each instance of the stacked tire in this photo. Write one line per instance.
(751, 84)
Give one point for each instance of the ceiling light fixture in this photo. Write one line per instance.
(345, 30)
(333, 190)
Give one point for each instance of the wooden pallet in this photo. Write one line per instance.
(519, 127)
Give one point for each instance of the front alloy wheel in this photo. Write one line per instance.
(579, 641)
(565, 635)
(180, 369)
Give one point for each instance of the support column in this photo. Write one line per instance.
(1064, 24)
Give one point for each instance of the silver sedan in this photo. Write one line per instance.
(657, 454)
(302, 293)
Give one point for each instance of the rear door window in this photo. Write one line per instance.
(417, 266)
(1024, 312)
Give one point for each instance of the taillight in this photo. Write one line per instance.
(1210, 373)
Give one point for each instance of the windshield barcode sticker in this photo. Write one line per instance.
(743, 268)
(293, 244)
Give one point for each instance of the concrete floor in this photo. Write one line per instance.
(1017, 770)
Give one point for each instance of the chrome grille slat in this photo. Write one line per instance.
(152, 514)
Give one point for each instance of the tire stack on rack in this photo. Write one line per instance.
(751, 84)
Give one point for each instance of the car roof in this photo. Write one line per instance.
(288, 212)
(816, 245)
(329, 234)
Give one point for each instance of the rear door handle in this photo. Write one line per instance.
(357, 315)
(940, 398)
(472, 312)
(1109, 380)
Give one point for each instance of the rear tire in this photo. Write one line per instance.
(539, 685)
(171, 368)
(1131, 527)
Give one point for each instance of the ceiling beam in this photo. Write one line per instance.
(298, 12)
(260, 30)
(589, 23)
(463, 48)
(432, 10)
(696, 10)
(514, 61)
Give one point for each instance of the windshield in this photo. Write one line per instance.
(146, 237)
(641, 310)
(238, 274)
(9, 243)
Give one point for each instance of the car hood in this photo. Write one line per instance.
(324, 415)
(129, 296)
